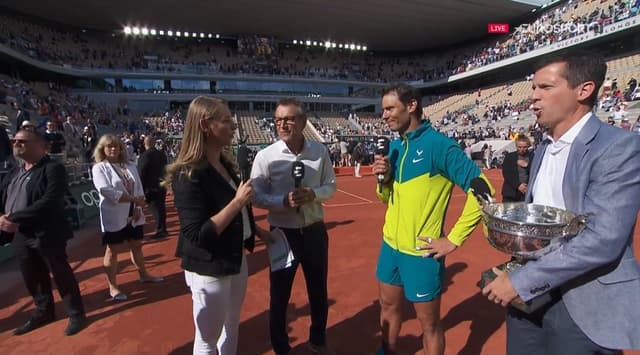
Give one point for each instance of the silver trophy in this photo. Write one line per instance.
(527, 232)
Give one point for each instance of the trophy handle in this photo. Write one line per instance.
(485, 200)
(577, 224)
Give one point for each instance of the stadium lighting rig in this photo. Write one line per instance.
(330, 45)
(137, 31)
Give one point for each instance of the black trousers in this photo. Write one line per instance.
(157, 204)
(549, 330)
(36, 261)
(310, 246)
(511, 199)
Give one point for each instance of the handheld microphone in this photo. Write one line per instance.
(382, 148)
(245, 174)
(297, 172)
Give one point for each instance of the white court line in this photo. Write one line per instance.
(356, 196)
(346, 204)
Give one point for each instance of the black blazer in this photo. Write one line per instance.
(151, 168)
(44, 217)
(196, 199)
(511, 177)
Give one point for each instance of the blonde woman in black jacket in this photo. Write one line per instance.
(216, 225)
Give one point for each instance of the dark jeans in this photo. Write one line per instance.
(310, 249)
(157, 205)
(36, 261)
(550, 331)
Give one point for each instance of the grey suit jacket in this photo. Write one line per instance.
(596, 271)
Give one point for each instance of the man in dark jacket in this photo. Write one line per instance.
(515, 171)
(32, 210)
(151, 166)
(55, 140)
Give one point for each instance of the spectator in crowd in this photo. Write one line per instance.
(588, 168)
(486, 156)
(619, 113)
(69, 128)
(89, 139)
(21, 114)
(121, 216)
(515, 171)
(336, 157)
(28, 126)
(89, 142)
(4, 120)
(33, 215)
(359, 154)
(344, 153)
(296, 209)
(6, 150)
(129, 149)
(151, 167)
(72, 137)
(216, 225)
(92, 129)
(412, 253)
(55, 140)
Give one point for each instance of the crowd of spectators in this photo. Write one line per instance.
(112, 51)
(550, 28)
(72, 123)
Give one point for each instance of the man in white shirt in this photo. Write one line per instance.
(587, 167)
(295, 207)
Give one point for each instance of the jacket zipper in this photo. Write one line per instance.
(404, 156)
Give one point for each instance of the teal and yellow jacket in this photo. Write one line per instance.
(425, 165)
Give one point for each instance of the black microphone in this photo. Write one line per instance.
(297, 172)
(382, 148)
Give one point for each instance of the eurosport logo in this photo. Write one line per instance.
(561, 28)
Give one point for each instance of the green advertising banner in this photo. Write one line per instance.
(81, 203)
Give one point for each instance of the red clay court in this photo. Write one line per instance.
(157, 318)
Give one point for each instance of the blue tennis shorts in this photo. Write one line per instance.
(420, 277)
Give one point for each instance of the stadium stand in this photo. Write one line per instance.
(49, 43)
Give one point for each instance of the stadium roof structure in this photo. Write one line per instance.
(382, 25)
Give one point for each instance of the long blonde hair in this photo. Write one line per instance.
(105, 141)
(193, 147)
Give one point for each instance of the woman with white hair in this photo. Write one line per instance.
(121, 215)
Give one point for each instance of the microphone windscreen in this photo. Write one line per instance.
(382, 146)
(297, 170)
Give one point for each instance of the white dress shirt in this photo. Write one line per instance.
(547, 190)
(272, 181)
(114, 214)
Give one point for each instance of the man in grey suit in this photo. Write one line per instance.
(586, 167)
